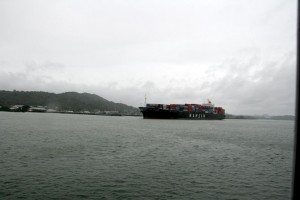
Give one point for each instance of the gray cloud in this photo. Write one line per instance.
(239, 54)
(269, 89)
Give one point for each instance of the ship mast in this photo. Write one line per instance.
(145, 99)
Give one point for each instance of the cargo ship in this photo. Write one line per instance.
(206, 111)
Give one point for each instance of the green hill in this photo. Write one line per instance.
(67, 101)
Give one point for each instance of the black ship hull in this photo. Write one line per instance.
(167, 114)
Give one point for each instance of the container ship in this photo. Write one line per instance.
(206, 111)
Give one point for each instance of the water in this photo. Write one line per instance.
(57, 156)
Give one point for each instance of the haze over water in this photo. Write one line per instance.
(64, 156)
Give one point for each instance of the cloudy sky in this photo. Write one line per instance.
(240, 54)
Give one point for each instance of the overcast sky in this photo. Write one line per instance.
(240, 54)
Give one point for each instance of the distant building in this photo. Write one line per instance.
(37, 109)
(16, 107)
(112, 113)
(99, 112)
(51, 110)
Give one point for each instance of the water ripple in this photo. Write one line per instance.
(52, 156)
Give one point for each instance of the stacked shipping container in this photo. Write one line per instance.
(191, 108)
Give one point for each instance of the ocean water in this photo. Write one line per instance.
(66, 156)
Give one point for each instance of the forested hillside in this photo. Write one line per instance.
(65, 101)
